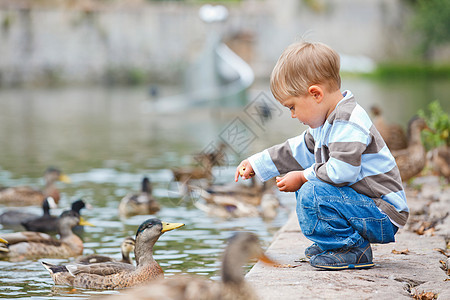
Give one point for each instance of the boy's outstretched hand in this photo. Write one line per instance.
(245, 170)
(291, 182)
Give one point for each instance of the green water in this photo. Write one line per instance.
(107, 139)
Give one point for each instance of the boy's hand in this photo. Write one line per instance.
(291, 182)
(244, 170)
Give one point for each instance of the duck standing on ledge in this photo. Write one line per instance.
(142, 203)
(393, 134)
(242, 247)
(29, 244)
(411, 161)
(25, 195)
(117, 275)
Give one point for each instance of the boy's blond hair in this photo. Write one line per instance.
(303, 64)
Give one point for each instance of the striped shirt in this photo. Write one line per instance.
(347, 150)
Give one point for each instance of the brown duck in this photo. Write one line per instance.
(126, 248)
(411, 161)
(117, 275)
(239, 200)
(393, 134)
(28, 244)
(25, 195)
(203, 170)
(142, 203)
(241, 247)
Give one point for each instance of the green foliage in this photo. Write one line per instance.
(432, 20)
(411, 70)
(438, 122)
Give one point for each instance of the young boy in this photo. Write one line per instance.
(347, 184)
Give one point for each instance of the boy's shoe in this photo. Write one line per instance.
(312, 250)
(353, 258)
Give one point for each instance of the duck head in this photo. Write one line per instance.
(241, 247)
(69, 219)
(127, 245)
(53, 174)
(147, 235)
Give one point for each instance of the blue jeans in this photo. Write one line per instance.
(339, 217)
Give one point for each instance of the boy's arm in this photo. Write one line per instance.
(346, 144)
(293, 155)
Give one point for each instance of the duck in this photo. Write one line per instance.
(250, 194)
(126, 248)
(235, 201)
(25, 195)
(269, 206)
(30, 244)
(206, 160)
(411, 161)
(48, 223)
(117, 275)
(142, 203)
(18, 216)
(241, 247)
(215, 157)
(227, 208)
(393, 134)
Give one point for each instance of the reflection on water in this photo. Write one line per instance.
(107, 139)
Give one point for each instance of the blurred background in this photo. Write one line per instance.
(110, 91)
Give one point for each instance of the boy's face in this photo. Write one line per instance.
(306, 109)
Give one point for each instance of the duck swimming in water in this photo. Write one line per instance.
(126, 248)
(117, 275)
(48, 223)
(142, 203)
(25, 195)
(16, 216)
(28, 244)
(242, 247)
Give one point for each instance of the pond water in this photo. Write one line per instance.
(107, 139)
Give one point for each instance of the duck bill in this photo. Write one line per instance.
(3, 241)
(170, 226)
(266, 260)
(83, 222)
(64, 178)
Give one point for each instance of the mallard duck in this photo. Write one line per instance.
(250, 194)
(411, 161)
(227, 207)
(126, 248)
(142, 203)
(29, 244)
(206, 160)
(242, 247)
(25, 195)
(393, 134)
(48, 223)
(235, 200)
(116, 275)
(215, 157)
(17, 217)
